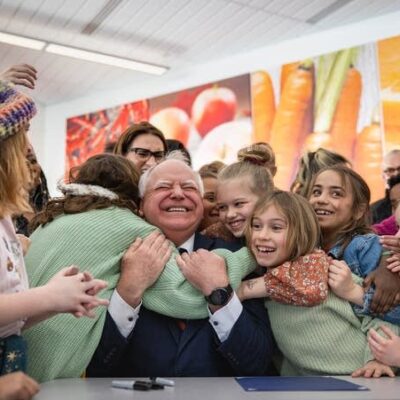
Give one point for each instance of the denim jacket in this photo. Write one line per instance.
(362, 255)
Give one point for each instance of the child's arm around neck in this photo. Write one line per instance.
(302, 282)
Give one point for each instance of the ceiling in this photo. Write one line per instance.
(174, 33)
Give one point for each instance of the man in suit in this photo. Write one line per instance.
(382, 208)
(236, 339)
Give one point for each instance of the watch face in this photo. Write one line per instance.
(220, 296)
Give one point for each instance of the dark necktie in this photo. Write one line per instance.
(180, 322)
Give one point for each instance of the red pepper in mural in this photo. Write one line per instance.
(89, 134)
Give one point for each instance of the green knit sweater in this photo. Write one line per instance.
(96, 241)
(328, 339)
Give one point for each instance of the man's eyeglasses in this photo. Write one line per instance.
(145, 154)
(392, 171)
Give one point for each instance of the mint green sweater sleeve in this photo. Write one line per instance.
(174, 296)
(96, 241)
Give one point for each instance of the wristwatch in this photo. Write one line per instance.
(219, 296)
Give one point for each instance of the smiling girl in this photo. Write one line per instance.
(323, 339)
(240, 185)
(340, 199)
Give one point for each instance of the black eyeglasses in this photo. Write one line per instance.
(145, 154)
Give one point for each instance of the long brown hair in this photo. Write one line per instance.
(312, 162)
(135, 130)
(112, 172)
(14, 175)
(359, 222)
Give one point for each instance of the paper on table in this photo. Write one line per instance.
(296, 383)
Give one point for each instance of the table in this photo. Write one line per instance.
(208, 389)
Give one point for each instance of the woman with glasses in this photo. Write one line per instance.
(143, 144)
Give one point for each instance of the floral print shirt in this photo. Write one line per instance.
(302, 282)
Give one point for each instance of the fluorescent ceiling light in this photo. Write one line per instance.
(105, 59)
(22, 41)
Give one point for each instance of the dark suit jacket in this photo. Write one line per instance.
(381, 209)
(158, 347)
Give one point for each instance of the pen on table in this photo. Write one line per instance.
(163, 381)
(136, 385)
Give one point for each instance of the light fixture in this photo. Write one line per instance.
(22, 41)
(105, 59)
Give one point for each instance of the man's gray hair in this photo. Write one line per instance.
(173, 155)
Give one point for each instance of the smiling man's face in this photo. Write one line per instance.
(173, 201)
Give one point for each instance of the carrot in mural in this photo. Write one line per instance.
(328, 100)
(344, 124)
(286, 133)
(286, 70)
(389, 68)
(308, 122)
(368, 157)
(262, 105)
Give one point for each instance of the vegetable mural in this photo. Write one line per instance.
(347, 101)
(90, 134)
(338, 101)
(389, 65)
(212, 120)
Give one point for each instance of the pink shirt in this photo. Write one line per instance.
(386, 227)
(13, 277)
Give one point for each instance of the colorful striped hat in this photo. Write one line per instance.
(16, 109)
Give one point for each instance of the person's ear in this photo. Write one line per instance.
(140, 211)
(360, 211)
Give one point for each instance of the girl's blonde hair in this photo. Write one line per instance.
(359, 221)
(258, 177)
(303, 233)
(14, 175)
(262, 154)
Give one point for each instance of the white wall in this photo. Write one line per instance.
(49, 132)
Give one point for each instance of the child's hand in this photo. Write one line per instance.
(393, 263)
(391, 243)
(385, 350)
(373, 369)
(341, 282)
(20, 74)
(98, 286)
(387, 293)
(17, 386)
(70, 292)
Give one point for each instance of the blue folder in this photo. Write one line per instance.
(296, 384)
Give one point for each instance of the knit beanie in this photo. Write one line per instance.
(16, 109)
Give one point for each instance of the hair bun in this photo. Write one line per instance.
(253, 159)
